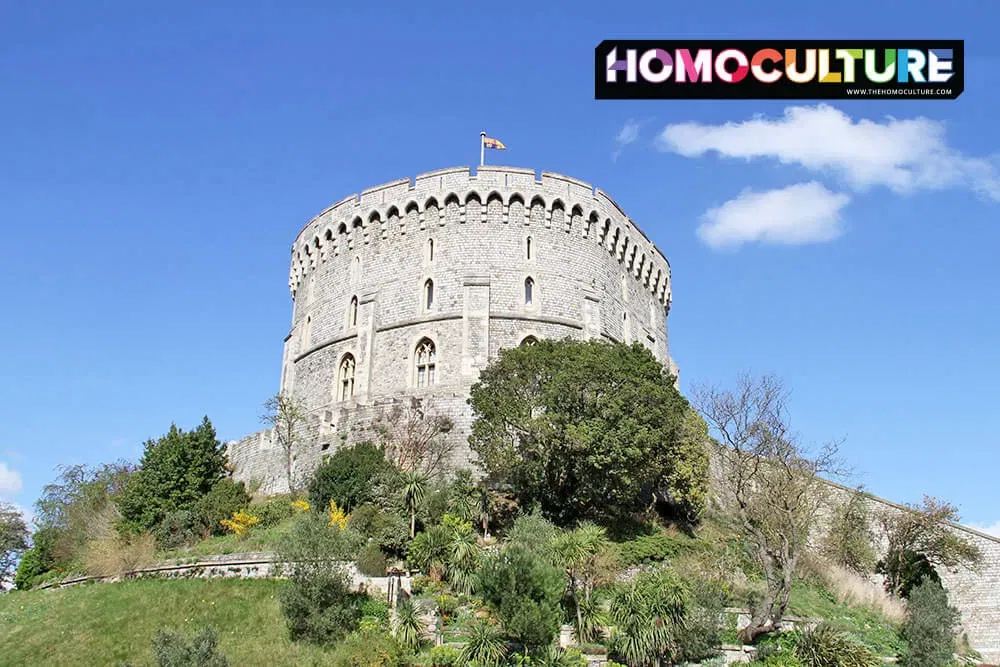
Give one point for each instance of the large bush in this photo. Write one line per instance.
(272, 511)
(176, 472)
(317, 600)
(588, 430)
(172, 649)
(929, 628)
(524, 590)
(224, 499)
(389, 530)
(37, 560)
(348, 477)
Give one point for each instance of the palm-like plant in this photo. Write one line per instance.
(485, 646)
(409, 625)
(414, 490)
(429, 551)
(646, 613)
(578, 552)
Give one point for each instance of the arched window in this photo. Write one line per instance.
(528, 340)
(428, 294)
(527, 247)
(426, 360)
(352, 312)
(529, 291)
(345, 381)
(430, 250)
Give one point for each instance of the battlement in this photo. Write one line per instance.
(456, 195)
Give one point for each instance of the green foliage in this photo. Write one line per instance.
(653, 548)
(647, 614)
(778, 650)
(173, 650)
(371, 561)
(272, 511)
(374, 614)
(389, 530)
(176, 471)
(485, 645)
(445, 656)
(37, 560)
(368, 648)
(224, 499)
(448, 551)
(700, 635)
(850, 540)
(825, 646)
(905, 570)
(13, 540)
(524, 590)
(409, 626)
(586, 430)
(929, 628)
(317, 602)
(180, 528)
(348, 477)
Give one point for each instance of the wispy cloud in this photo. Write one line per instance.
(905, 156)
(629, 134)
(796, 215)
(10, 481)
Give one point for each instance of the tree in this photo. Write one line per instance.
(582, 552)
(647, 613)
(175, 472)
(348, 477)
(919, 538)
(585, 429)
(770, 483)
(929, 628)
(413, 437)
(13, 541)
(286, 415)
(414, 489)
(850, 540)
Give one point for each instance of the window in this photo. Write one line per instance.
(430, 250)
(426, 360)
(307, 334)
(346, 378)
(529, 291)
(352, 312)
(428, 294)
(528, 247)
(528, 340)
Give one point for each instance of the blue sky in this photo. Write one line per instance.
(156, 163)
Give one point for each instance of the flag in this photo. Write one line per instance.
(494, 143)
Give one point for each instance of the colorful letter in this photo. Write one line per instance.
(849, 56)
(911, 63)
(742, 66)
(940, 67)
(757, 65)
(690, 70)
(665, 60)
(890, 66)
(825, 75)
(805, 76)
(614, 66)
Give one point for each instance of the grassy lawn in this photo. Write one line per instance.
(107, 624)
(259, 539)
(866, 625)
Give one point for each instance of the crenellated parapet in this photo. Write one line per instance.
(491, 196)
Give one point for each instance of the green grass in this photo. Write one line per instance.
(259, 539)
(107, 624)
(866, 625)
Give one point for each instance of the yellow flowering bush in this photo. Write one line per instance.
(240, 523)
(301, 505)
(337, 516)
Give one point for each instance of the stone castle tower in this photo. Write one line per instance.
(411, 288)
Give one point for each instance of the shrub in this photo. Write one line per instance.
(648, 549)
(445, 656)
(113, 554)
(337, 516)
(409, 627)
(224, 499)
(374, 615)
(175, 472)
(485, 645)
(240, 523)
(347, 478)
(826, 647)
(700, 636)
(930, 626)
(389, 530)
(368, 649)
(371, 561)
(850, 541)
(180, 528)
(173, 650)
(273, 511)
(317, 601)
(37, 560)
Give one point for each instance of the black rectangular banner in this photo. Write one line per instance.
(779, 69)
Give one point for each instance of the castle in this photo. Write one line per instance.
(408, 290)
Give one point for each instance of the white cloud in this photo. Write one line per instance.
(902, 155)
(798, 214)
(10, 480)
(627, 135)
(991, 529)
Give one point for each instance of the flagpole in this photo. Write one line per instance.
(482, 148)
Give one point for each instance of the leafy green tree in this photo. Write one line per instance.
(13, 541)
(585, 430)
(929, 628)
(175, 472)
(582, 552)
(414, 490)
(348, 477)
(524, 590)
(850, 541)
(919, 536)
(37, 560)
